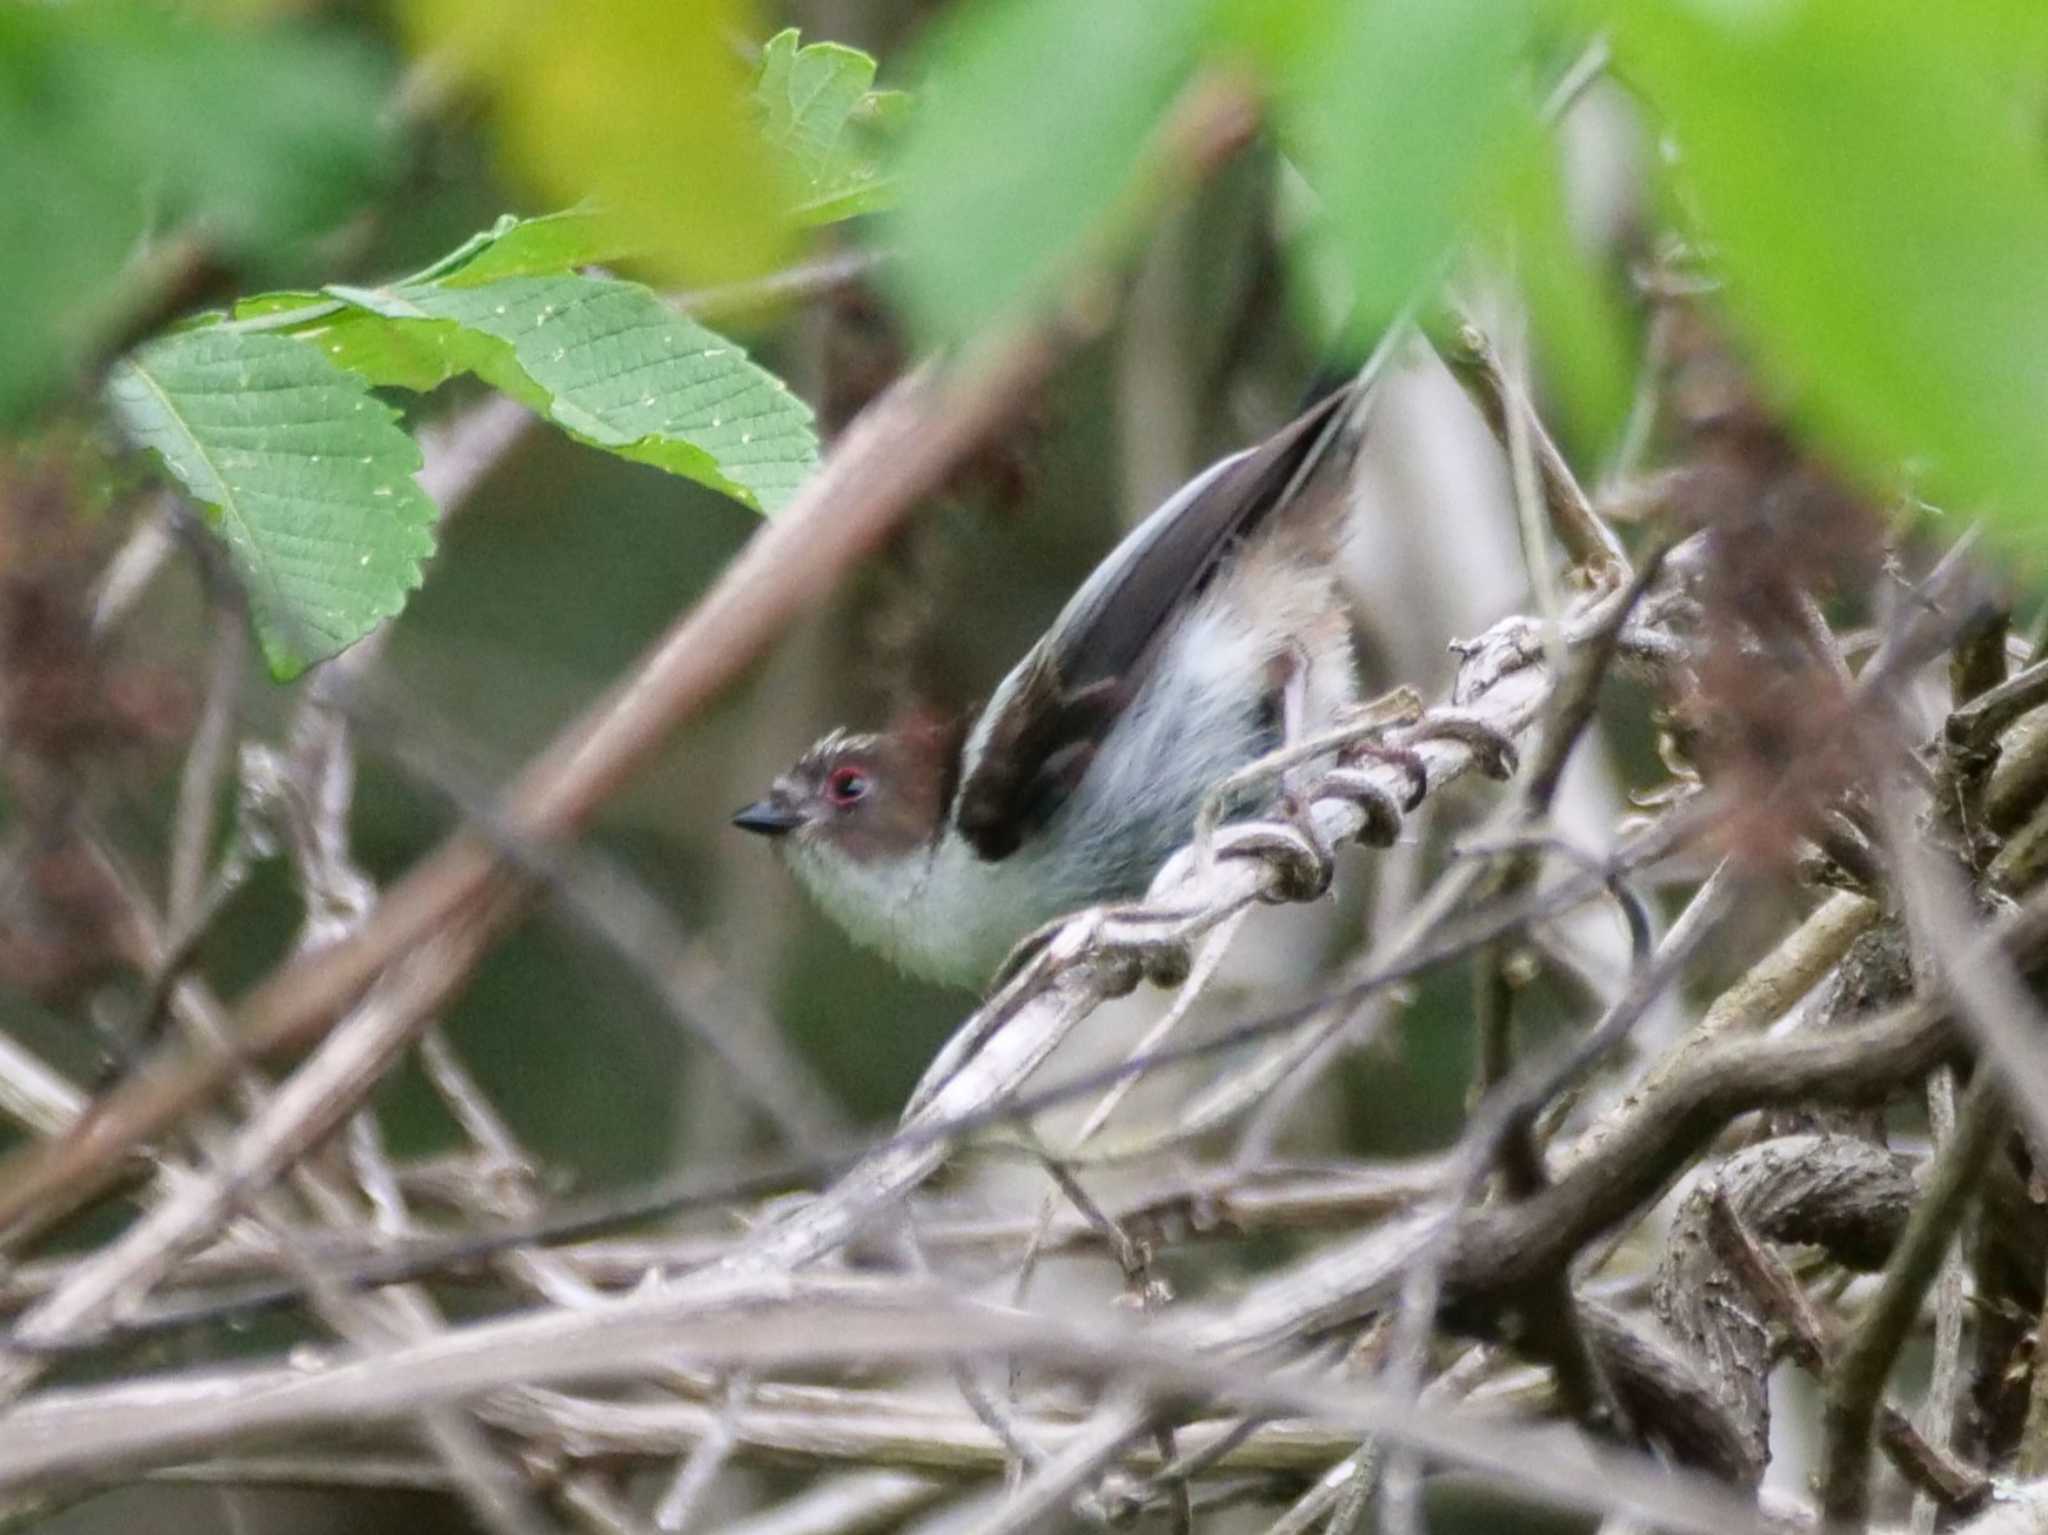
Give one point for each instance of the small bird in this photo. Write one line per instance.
(1213, 634)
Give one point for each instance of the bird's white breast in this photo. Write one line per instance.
(1200, 716)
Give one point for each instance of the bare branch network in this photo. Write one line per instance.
(1824, 1148)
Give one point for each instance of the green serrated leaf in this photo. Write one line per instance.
(1874, 192)
(554, 242)
(607, 360)
(816, 107)
(304, 474)
(393, 352)
(1029, 132)
(618, 368)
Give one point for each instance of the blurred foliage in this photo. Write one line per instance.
(1035, 115)
(1867, 179)
(1435, 86)
(640, 103)
(112, 133)
(1581, 328)
(1868, 174)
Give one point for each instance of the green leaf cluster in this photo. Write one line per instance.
(1029, 131)
(614, 366)
(267, 418)
(1416, 122)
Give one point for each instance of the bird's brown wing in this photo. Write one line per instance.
(1056, 708)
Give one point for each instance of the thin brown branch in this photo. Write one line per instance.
(1855, 1386)
(489, 1486)
(1810, 1338)
(677, 1506)
(848, 1505)
(1497, 1252)
(136, 564)
(803, 283)
(34, 1094)
(301, 1113)
(1504, 1115)
(207, 764)
(461, 452)
(1990, 712)
(1587, 539)
(1760, 998)
(607, 902)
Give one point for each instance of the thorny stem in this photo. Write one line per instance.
(1493, 1002)
(206, 765)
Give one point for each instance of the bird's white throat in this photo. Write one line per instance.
(1204, 711)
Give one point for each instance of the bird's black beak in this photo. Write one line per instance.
(768, 819)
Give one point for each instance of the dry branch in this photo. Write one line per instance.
(92, 1431)
(1496, 1258)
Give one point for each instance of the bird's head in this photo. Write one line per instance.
(866, 799)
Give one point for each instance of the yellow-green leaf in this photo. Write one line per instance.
(640, 105)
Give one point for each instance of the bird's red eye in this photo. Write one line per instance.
(847, 785)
